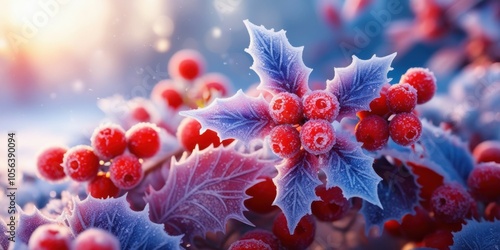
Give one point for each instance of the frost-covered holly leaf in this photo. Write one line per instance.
(398, 186)
(278, 64)
(347, 167)
(477, 235)
(133, 229)
(28, 223)
(205, 190)
(5, 234)
(295, 183)
(438, 150)
(240, 116)
(356, 85)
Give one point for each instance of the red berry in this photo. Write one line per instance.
(401, 98)
(143, 139)
(188, 134)
(423, 81)
(126, 171)
(49, 237)
(484, 181)
(141, 114)
(49, 163)
(264, 236)
(249, 244)
(333, 205)
(321, 104)
(492, 211)
(211, 86)
(96, 239)
(441, 239)
(429, 181)
(487, 151)
(393, 228)
(302, 237)
(285, 141)
(262, 196)
(286, 108)
(166, 93)
(450, 203)
(416, 226)
(373, 132)
(378, 106)
(186, 64)
(102, 187)
(108, 141)
(405, 129)
(80, 163)
(317, 136)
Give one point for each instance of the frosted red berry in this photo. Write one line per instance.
(378, 106)
(49, 237)
(492, 211)
(317, 136)
(211, 86)
(333, 205)
(108, 141)
(80, 163)
(126, 171)
(302, 237)
(262, 195)
(487, 151)
(416, 226)
(286, 108)
(405, 129)
(321, 104)
(484, 181)
(141, 114)
(188, 134)
(373, 132)
(143, 140)
(423, 81)
(450, 203)
(186, 64)
(440, 239)
(102, 187)
(166, 93)
(96, 239)
(285, 141)
(401, 98)
(264, 236)
(250, 244)
(49, 163)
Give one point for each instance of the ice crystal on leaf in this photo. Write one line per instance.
(133, 229)
(205, 190)
(477, 235)
(281, 69)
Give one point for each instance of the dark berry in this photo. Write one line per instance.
(264, 236)
(484, 181)
(249, 244)
(302, 237)
(333, 205)
(262, 196)
(487, 151)
(416, 226)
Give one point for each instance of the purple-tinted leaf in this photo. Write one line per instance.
(240, 116)
(5, 234)
(205, 190)
(295, 183)
(278, 64)
(28, 223)
(359, 83)
(133, 229)
(398, 186)
(347, 167)
(477, 235)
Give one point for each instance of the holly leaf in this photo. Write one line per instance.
(278, 64)
(347, 167)
(28, 223)
(359, 83)
(398, 186)
(240, 116)
(295, 184)
(4, 235)
(477, 235)
(205, 190)
(133, 229)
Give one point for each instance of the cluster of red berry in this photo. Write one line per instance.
(112, 162)
(393, 113)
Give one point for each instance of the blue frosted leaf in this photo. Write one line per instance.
(28, 223)
(296, 182)
(398, 186)
(359, 83)
(278, 64)
(438, 150)
(133, 229)
(4, 235)
(205, 190)
(347, 167)
(477, 235)
(242, 117)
